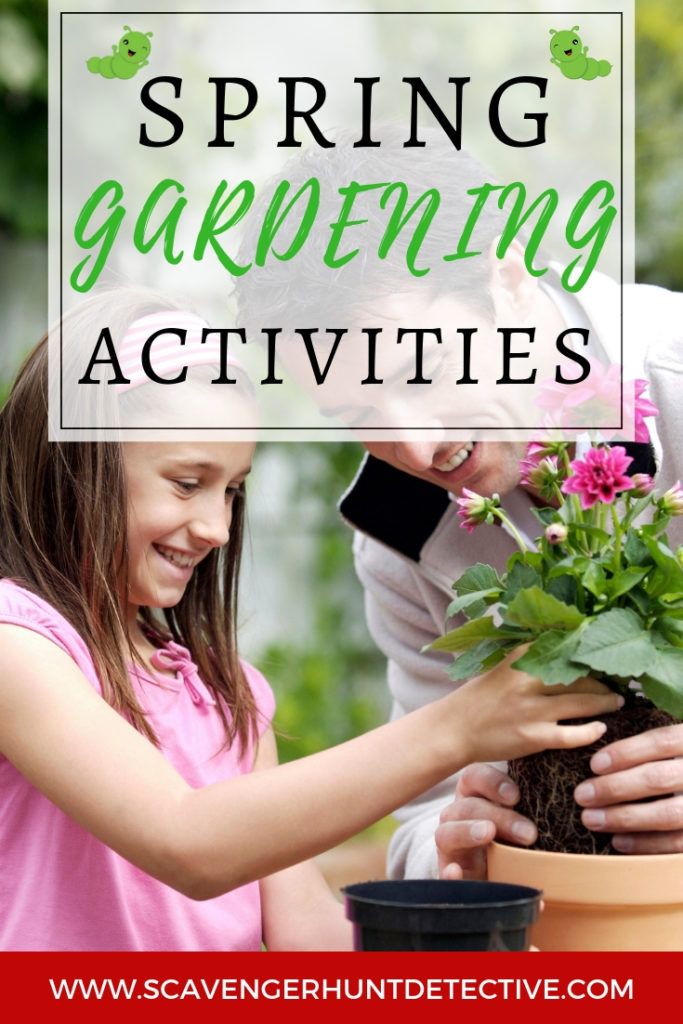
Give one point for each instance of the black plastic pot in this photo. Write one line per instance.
(431, 914)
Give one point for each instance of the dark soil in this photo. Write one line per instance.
(547, 782)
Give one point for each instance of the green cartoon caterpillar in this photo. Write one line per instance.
(571, 58)
(129, 56)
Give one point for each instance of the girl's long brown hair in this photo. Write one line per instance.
(63, 536)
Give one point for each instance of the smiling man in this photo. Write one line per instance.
(409, 547)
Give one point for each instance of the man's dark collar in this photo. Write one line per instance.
(397, 509)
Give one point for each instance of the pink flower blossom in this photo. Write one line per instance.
(600, 402)
(474, 509)
(594, 403)
(599, 475)
(642, 407)
(535, 450)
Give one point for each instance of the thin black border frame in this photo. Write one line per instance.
(318, 429)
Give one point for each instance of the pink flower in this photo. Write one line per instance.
(535, 450)
(642, 407)
(595, 403)
(601, 402)
(672, 500)
(475, 509)
(599, 475)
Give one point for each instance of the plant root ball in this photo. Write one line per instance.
(547, 782)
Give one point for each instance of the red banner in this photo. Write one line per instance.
(332, 986)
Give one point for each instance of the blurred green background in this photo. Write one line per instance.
(304, 626)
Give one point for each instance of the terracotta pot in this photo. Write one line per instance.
(593, 902)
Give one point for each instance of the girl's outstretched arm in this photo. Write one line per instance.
(298, 908)
(92, 764)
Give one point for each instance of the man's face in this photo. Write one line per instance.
(446, 389)
(425, 430)
(486, 467)
(439, 456)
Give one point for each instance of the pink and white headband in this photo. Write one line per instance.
(178, 344)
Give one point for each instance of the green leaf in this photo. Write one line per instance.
(574, 564)
(654, 529)
(668, 577)
(563, 588)
(544, 515)
(550, 657)
(671, 629)
(663, 682)
(478, 577)
(661, 583)
(616, 642)
(528, 559)
(479, 658)
(466, 636)
(515, 635)
(520, 577)
(674, 612)
(594, 579)
(473, 587)
(625, 580)
(477, 602)
(535, 609)
(565, 513)
(640, 599)
(593, 531)
(635, 551)
(639, 507)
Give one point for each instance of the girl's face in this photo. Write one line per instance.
(180, 501)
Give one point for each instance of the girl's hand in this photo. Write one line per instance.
(510, 713)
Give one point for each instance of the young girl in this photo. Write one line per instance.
(142, 808)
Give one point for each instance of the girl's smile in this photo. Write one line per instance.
(180, 504)
(178, 558)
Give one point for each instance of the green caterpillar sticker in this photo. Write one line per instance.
(128, 57)
(570, 56)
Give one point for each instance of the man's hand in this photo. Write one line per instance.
(647, 765)
(480, 812)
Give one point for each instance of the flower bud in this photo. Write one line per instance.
(556, 533)
(541, 475)
(537, 450)
(672, 500)
(474, 509)
(643, 484)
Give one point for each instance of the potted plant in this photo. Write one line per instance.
(600, 593)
